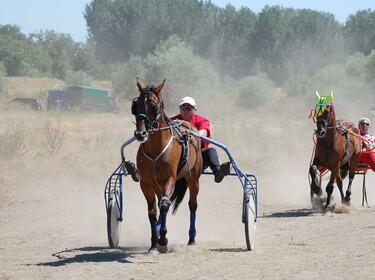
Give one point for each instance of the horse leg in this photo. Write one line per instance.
(339, 185)
(163, 241)
(353, 165)
(349, 190)
(329, 190)
(193, 205)
(330, 186)
(315, 185)
(152, 215)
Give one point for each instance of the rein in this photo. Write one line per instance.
(362, 138)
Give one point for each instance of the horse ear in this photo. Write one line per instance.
(160, 86)
(317, 97)
(331, 96)
(139, 84)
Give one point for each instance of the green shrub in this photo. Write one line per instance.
(78, 78)
(255, 91)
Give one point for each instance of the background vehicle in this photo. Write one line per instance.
(80, 98)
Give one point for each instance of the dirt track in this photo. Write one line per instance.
(58, 231)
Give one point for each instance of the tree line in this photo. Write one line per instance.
(129, 36)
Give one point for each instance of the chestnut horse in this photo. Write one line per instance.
(336, 150)
(163, 179)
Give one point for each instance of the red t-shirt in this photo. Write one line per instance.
(200, 123)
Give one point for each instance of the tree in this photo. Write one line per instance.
(20, 55)
(61, 49)
(360, 31)
(288, 41)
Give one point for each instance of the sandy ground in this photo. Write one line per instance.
(56, 229)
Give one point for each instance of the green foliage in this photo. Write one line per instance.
(61, 49)
(125, 76)
(174, 60)
(300, 86)
(78, 78)
(349, 80)
(298, 48)
(185, 72)
(291, 42)
(355, 64)
(136, 27)
(256, 91)
(20, 55)
(370, 67)
(360, 31)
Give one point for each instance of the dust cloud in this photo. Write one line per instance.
(62, 161)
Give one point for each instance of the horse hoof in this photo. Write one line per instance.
(191, 242)
(153, 252)
(346, 202)
(163, 248)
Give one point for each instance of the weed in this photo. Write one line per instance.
(12, 140)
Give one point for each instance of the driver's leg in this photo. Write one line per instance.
(211, 159)
(132, 170)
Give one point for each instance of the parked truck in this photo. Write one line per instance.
(80, 98)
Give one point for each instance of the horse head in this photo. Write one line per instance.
(324, 112)
(147, 109)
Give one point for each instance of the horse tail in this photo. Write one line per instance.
(178, 193)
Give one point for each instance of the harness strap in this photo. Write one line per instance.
(156, 159)
(184, 138)
(346, 157)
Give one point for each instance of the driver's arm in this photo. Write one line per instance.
(203, 132)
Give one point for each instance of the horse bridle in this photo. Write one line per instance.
(324, 121)
(150, 123)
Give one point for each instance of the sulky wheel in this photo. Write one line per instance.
(113, 223)
(250, 221)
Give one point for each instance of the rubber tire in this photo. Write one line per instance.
(113, 224)
(250, 223)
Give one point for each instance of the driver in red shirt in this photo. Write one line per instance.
(368, 151)
(188, 109)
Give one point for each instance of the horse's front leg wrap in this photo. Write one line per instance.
(329, 190)
(315, 186)
(164, 207)
(192, 230)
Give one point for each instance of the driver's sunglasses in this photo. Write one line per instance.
(186, 107)
(365, 124)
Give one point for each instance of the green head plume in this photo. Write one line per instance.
(322, 102)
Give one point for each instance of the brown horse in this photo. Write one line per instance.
(336, 149)
(164, 179)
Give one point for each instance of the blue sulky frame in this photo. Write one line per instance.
(249, 182)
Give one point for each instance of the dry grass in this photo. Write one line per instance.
(272, 142)
(38, 87)
(30, 87)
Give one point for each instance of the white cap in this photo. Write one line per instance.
(364, 120)
(188, 100)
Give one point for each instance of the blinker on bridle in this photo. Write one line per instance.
(151, 124)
